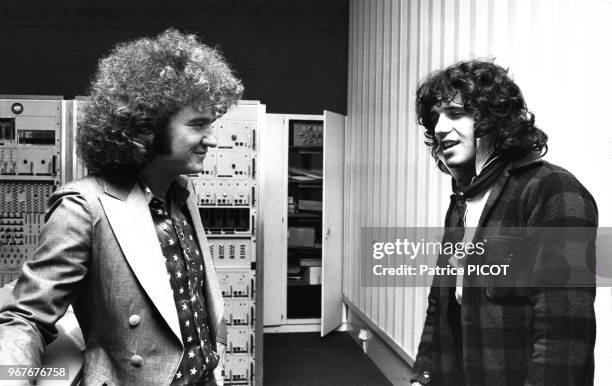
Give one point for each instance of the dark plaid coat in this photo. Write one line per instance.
(520, 336)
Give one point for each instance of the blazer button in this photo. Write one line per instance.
(136, 360)
(134, 320)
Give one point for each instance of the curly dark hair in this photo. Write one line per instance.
(491, 97)
(135, 91)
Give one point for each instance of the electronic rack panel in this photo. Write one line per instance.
(227, 197)
(31, 129)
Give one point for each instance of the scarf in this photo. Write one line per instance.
(455, 217)
(454, 230)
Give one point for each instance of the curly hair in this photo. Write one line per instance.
(491, 97)
(135, 91)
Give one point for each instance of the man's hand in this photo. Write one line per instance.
(218, 371)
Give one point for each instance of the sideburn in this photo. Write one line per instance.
(161, 143)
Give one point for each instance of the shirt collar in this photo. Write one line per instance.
(177, 191)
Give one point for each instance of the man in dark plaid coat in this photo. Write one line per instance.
(488, 331)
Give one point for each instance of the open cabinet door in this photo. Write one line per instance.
(333, 196)
(273, 169)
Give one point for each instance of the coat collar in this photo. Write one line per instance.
(121, 189)
(514, 167)
(525, 162)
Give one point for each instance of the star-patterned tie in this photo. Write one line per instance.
(186, 274)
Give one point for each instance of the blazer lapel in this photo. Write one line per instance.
(133, 227)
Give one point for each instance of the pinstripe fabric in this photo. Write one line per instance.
(519, 336)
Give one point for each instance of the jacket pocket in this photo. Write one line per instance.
(515, 261)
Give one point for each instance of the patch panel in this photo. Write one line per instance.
(8, 160)
(238, 369)
(239, 339)
(237, 284)
(210, 163)
(228, 163)
(22, 205)
(36, 161)
(223, 192)
(241, 287)
(233, 134)
(206, 191)
(17, 198)
(234, 163)
(243, 192)
(225, 284)
(7, 277)
(230, 252)
(239, 312)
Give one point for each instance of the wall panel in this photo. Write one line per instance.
(554, 52)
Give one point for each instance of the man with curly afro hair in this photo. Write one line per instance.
(533, 323)
(125, 245)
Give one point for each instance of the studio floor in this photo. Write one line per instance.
(306, 359)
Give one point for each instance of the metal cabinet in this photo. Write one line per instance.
(302, 162)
